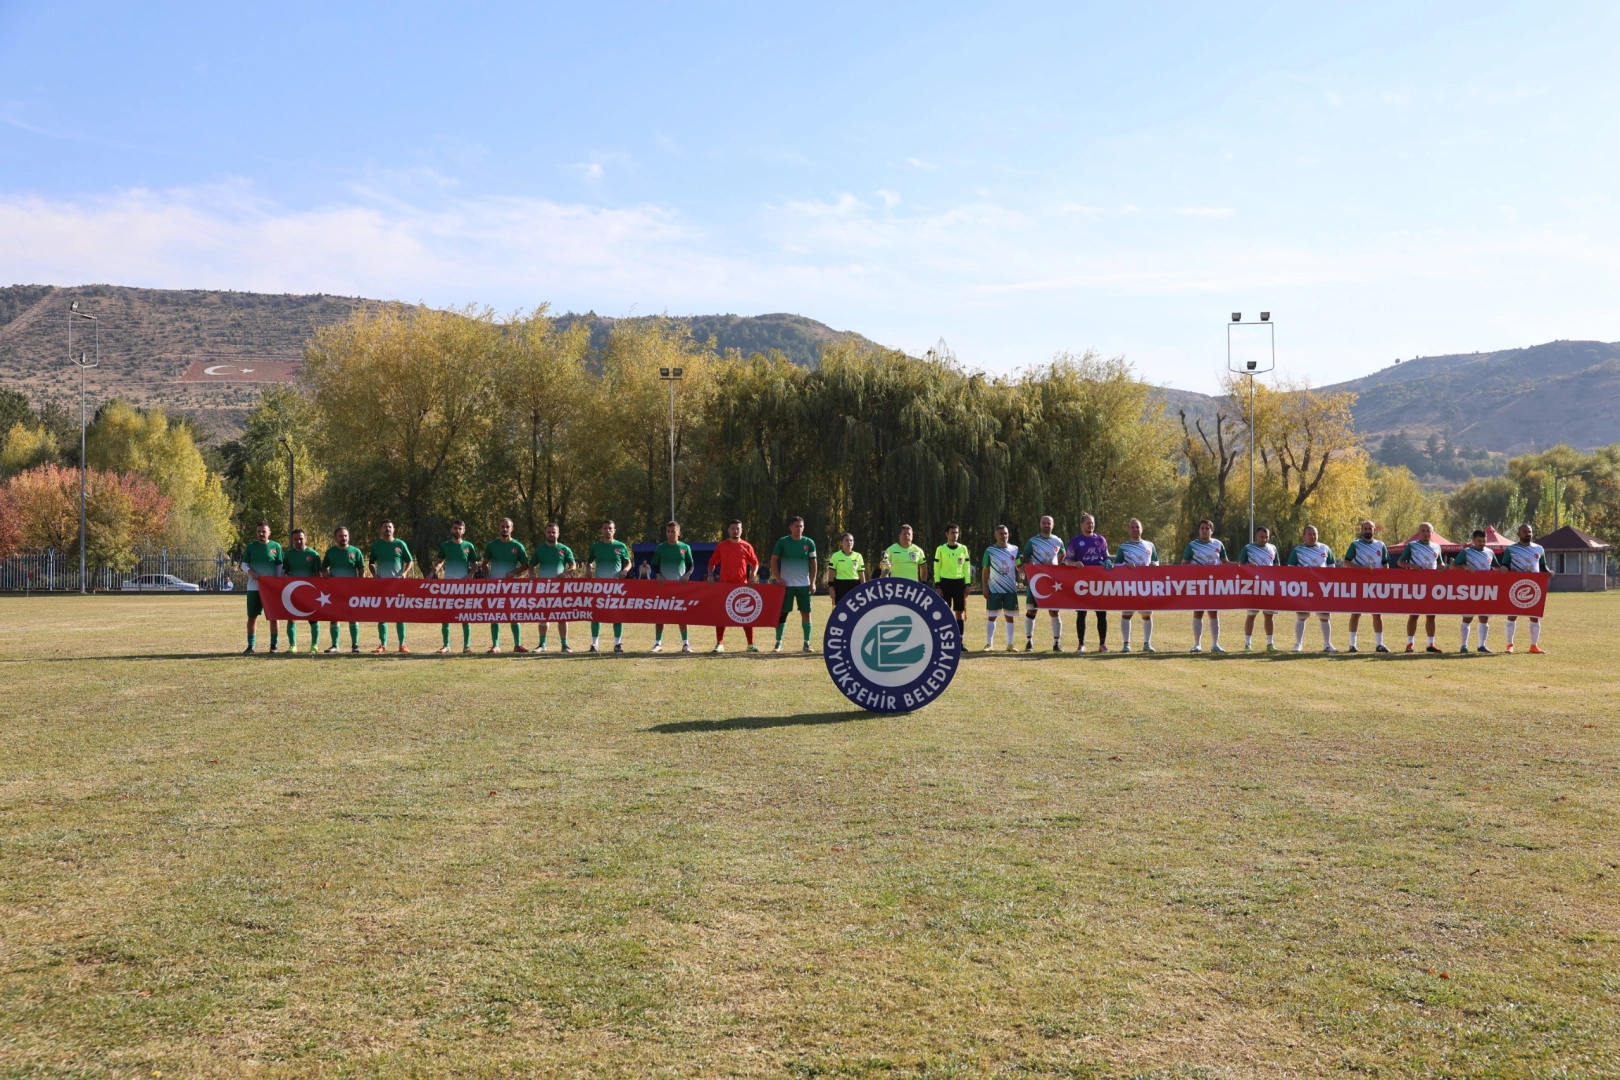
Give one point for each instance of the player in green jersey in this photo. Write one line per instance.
(457, 560)
(390, 558)
(302, 561)
(343, 559)
(793, 563)
(262, 558)
(846, 568)
(953, 572)
(505, 558)
(553, 559)
(672, 562)
(609, 558)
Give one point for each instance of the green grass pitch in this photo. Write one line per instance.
(1176, 866)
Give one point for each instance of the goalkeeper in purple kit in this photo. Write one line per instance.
(1089, 548)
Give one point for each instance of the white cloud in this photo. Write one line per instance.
(1005, 283)
(499, 249)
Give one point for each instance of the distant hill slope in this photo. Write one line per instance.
(1508, 401)
(149, 337)
(794, 336)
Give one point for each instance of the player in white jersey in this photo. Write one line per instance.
(1474, 558)
(1311, 552)
(1043, 549)
(1367, 553)
(1260, 552)
(1205, 550)
(1136, 552)
(1525, 557)
(1421, 554)
(1000, 585)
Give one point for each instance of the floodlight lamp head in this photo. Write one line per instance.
(73, 306)
(663, 373)
(1252, 364)
(677, 372)
(1237, 316)
(1265, 316)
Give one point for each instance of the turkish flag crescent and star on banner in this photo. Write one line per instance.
(514, 600)
(1287, 588)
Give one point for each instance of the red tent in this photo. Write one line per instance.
(1495, 540)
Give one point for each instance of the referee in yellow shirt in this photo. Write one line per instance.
(846, 568)
(953, 569)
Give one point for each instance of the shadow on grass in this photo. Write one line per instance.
(755, 723)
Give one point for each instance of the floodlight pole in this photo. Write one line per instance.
(671, 376)
(1249, 370)
(84, 367)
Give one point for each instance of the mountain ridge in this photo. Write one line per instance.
(1506, 401)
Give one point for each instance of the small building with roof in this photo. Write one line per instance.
(1579, 561)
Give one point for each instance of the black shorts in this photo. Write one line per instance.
(954, 590)
(842, 588)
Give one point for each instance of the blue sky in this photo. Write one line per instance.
(1389, 180)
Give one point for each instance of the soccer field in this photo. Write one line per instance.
(217, 865)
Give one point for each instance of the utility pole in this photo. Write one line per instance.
(1249, 368)
(84, 365)
(671, 376)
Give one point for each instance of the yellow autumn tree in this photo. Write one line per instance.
(1311, 468)
(125, 439)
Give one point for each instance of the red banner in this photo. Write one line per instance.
(513, 600)
(1288, 588)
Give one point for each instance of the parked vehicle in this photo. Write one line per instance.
(159, 583)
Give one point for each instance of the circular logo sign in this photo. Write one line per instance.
(744, 605)
(1525, 594)
(892, 645)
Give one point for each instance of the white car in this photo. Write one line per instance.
(159, 583)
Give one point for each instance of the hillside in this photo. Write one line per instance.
(151, 337)
(1507, 402)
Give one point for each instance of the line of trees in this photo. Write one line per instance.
(148, 485)
(424, 416)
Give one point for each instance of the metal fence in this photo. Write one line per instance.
(53, 571)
